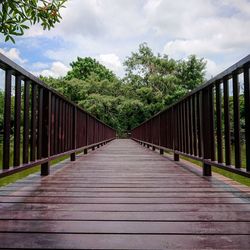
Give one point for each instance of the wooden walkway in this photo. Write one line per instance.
(124, 196)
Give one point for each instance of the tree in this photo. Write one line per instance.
(82, 68)
(159, 80)
(151, 83)
(16, 15)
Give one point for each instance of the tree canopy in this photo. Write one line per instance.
(151, 82)
(17, 15)
(82, 68)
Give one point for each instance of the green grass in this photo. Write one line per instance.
(241, 179)
(12, 178)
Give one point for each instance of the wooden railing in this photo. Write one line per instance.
(201, 124)
(44, 125)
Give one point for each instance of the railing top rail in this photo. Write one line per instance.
(226, 73)
(6, 63)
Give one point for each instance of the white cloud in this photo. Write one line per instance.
(13, 54)
(109, 30)
(40, 65)
(57, 69)
(111, 61)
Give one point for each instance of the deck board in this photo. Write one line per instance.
(124, 196)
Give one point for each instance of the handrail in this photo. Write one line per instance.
(53, 126)
(198, 125)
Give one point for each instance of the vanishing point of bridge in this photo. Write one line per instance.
(125, 194)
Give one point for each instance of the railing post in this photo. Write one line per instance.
(85, 151)
(176, 157)
(73, 155)
(46, 130)
(161, 152)
(206, 130)
(153, 148)
(175, 133)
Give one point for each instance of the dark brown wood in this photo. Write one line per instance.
(211, 120)
(74, 133)
(219, 123)
(46, 130)
(33, 128)
(17, 122)
(115, 198)
(227, 135)
(194, 117)
(191, 136)
(39, 126)
(7, 120)
(236, 108)
(26, 127)
(247, 113)
(52, 127)
(199, 124)
(206, 129)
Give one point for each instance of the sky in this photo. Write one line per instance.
(109, 30)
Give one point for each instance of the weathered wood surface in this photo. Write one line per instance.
(124, 196)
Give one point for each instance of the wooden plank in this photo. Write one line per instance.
(112, 200)
(125, 216)
(125, 227)
(124, 196)
(109, 241)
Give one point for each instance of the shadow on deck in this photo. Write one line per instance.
(124, 196)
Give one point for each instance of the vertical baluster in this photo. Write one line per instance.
(211, 120)
(56, 126)
(46, 126)
(191, 136)
(218, 123)
(187, 136)
(206, 130)
(26, 122)
(60, 126)
(199, 124)
(40, 122)
(7, 120)
(17, 122)
(227, 122)
(194, 117)
(74, 133)
(33, 122)
(182, 127)
(52, 130)
(236, 108)
(247, 113)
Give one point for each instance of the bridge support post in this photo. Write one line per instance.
(153, 148)
(93, 148)
(207, 129)
(98, 146)
(85, 151)
(207, 169)
(161, 151)
(46, 122)
(147, 146)
(176, 157)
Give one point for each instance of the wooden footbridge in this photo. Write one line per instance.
(125, 193)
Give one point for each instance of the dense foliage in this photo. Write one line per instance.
(151, 83)
(17, 15)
